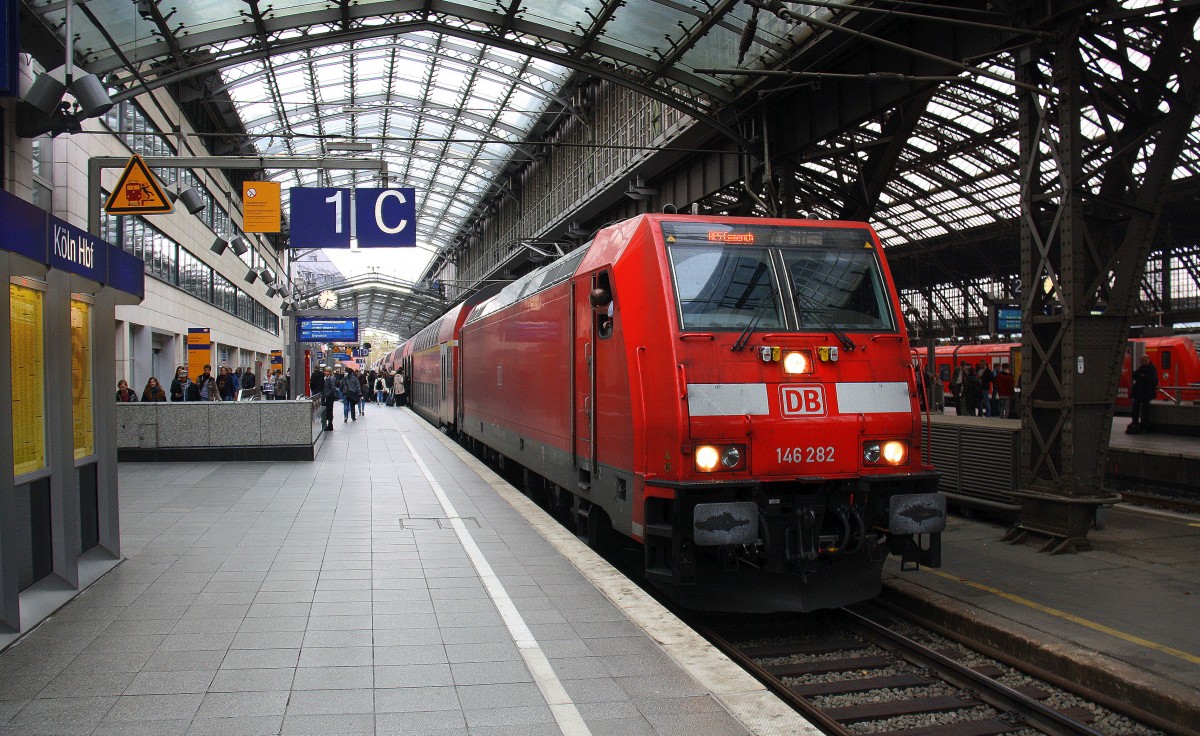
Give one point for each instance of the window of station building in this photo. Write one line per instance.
(43, 172)
(130, 123)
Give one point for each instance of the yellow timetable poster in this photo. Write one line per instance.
(81, 377)
(28, 406)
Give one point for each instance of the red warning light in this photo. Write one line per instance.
(722, 236)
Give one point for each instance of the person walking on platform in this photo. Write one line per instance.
(380, 389)
(329, 397)
(181, 384)
(1143, 391)
(153, 391)
(225, 384)
(249, 380)
(972, 392)
(987, 384)
(205, 386)
(1005, 388)
(124, 393)
(351, 395)
(956, 387)
(281, 387)
(316, 382)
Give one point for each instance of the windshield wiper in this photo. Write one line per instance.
(744, 338)
(808, 308)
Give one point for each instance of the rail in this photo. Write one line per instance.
(827, 671)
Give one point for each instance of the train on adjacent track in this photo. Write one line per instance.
(735, 395)
(1177, 358)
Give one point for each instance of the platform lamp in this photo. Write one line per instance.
(271, 291)
(239, 245)
(251, 276)
(219, 245)
(46, 93)
(283, 290)
(267, 275)
(192, 200)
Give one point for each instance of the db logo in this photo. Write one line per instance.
(802, 401)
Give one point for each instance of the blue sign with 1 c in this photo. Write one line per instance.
(320, 218)
(386, 218)
(382, 218)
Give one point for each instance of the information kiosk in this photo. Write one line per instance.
(59, 525)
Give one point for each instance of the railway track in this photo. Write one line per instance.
(851, 674)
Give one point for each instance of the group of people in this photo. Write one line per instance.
(152, 392)
(222, 387)
(354, 388)
(977, 390)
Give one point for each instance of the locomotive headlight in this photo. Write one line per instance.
(891, 452)
(713, 458)
(895, 452)
(797, 362)
(707, 458)
(731, 457)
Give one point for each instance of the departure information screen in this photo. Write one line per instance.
(327, 329)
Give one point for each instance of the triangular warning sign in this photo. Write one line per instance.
(138, 192)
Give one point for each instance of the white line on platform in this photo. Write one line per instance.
(570, 722)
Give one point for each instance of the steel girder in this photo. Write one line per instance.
(1089, 211)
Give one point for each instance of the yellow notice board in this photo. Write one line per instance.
(27, 370)
(261, 207)
(81, 378)
(199, 350)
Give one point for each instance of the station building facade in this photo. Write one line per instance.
(188, 285)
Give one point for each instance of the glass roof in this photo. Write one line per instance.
(444, 92)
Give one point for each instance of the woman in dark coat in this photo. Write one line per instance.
(153, 391)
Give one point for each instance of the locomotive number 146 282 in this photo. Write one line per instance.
(813, 454)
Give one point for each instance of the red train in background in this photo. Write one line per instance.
(744, 407)
(1177, 358)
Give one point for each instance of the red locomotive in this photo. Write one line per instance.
(735, 394)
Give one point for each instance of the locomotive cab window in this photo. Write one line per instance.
(735, 277)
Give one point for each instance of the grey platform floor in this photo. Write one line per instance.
(1123, 617)
(391, 587)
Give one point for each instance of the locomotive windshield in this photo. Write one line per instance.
(734, 277)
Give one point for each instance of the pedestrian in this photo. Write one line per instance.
(1143, 391)
(249, 380)
(956, 387)
(987, 383)
(153, 391)
(329, 396)
(380, 389)
(124, 393)
(351, 394)
(1005, 389)
(225, 384)
(281, 387)
(972, 392)
(180, 385)
(268, 387)
(316, 382)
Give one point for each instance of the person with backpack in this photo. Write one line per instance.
(329, 397)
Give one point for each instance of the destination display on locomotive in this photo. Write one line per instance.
(327, 329)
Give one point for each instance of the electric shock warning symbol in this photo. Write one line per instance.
(138, 192)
